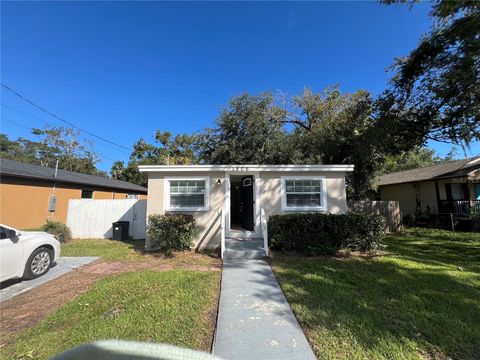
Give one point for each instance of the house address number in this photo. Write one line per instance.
(240, 168)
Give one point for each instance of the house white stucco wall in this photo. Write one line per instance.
(269, 197)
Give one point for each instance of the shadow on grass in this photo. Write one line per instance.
(409, 303)
(138, 246)
(440, 248)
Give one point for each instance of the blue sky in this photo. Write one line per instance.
(124, 69)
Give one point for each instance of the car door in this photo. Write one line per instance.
(11, 256)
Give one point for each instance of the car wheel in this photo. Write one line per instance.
(38, 263)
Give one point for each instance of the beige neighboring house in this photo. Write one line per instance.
(449, 188)
(244, 193)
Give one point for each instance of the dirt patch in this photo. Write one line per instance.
(108, 268)
(28, 308)
(358, 255)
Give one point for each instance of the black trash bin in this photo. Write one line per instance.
(120, 230)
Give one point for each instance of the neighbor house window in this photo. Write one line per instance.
(87, 194)
(186, 194)
(303, 193)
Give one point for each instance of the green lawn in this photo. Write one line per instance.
(109, 250)
(418, 300)
(175, 307)
(132, 251)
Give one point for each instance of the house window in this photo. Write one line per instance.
(186, 194)
(459, 192)
(87, 194)
(303, 193)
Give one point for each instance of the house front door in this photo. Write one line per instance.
(247, 203)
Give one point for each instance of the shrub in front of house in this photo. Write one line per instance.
(409, 220)
(325, 234)
(171, 232)
(59, 229)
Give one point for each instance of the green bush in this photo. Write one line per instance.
(321, 234)
(409, 220)
(171, 232)
(60, 230)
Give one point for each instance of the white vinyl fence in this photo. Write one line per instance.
(89, 218)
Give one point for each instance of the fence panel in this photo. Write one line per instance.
(90, 218)
(389, 209)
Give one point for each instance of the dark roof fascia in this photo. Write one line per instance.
(461, 172)
(465, 172)
(63, 181)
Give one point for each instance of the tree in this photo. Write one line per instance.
(312, 128)
(128, 173)
(173, 150)
(435, 91)
(418, 157)
(336, 128)
(248, 131)
(62, 144)
(20, 150)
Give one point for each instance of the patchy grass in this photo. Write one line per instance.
(418, 300)
(155, 298)
(133, 251)
(175, 307)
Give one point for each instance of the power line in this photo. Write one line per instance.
(14, 122)
(63, 120)
(30, 116)
(26, 127)
(38, 119)
(24, 113)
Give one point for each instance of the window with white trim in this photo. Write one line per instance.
(186, 194)
(303, 193)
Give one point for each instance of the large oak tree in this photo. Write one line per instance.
(435, 92)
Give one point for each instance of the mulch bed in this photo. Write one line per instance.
(28, 308)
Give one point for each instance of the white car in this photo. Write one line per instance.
(26, 254)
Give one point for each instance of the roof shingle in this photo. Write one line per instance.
(457, 168)
(24, 170)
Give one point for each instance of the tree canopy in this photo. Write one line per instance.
(248, 131)
(435, 91)
(335, 128)
(171, 150)
(54, 143)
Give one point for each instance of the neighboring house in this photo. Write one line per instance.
(242, 192)
(31, 194)
(451, 187)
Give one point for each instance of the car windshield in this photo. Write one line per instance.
(3, 233)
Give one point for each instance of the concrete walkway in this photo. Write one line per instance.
(254, 319)
(11, 288)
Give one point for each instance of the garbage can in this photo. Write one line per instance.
(120, 230)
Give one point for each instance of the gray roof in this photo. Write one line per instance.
(24, 170)
(457, 168)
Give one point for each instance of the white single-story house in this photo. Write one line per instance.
(242, 193)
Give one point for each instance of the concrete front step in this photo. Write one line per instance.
(244, 254)
(244, 248)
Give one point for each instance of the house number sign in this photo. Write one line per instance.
(240, 168)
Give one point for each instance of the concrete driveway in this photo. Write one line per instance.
(11, 288)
